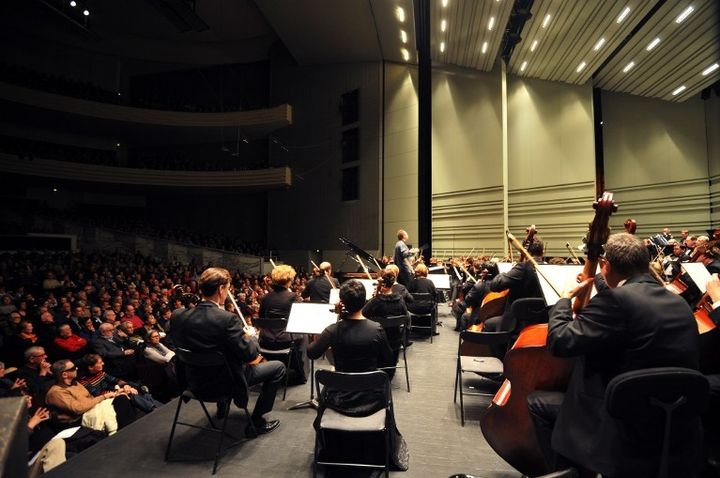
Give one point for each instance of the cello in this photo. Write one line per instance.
(506, 424)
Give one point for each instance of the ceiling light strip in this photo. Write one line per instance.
(623, 15)
(685, 13)
(599, 44)
(679, 90)
(652, 44)
(710, 69)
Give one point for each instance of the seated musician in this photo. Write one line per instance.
(207, 327)
(522, 282)
(422, 285)
(711, 419)
(397, 287)
(387, 303)
(358, 345)
(474, 297)
(632, 323)
(276, 304)
(318, 288)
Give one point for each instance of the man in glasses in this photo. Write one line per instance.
(632, 323)
(36, 372)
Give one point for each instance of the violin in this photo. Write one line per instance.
(528, 365)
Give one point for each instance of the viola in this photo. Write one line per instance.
(528, 365)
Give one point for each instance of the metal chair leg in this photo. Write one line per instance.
(172, 430)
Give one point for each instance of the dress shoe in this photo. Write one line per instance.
(262, 428)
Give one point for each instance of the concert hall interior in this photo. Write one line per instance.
(144, 141)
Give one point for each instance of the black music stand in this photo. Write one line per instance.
(309, 318)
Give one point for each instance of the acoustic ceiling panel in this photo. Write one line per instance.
(473, 31)
(567, 40)
(665, 55)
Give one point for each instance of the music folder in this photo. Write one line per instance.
(310, 318)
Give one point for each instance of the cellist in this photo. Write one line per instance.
(632, 323)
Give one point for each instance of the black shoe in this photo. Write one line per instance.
(409, 343)
(221, 410)
(262, 428)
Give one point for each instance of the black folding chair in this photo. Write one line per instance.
(658, 398)
(212, 361)
(330, 420)
(488, 367)
(419, 319)
(278, 354)
(401, 323)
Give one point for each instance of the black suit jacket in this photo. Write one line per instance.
(276, 305)
(208, 328)
(318, 289)
(522, 282)
(638, 325)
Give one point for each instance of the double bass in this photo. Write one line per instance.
(506, 424)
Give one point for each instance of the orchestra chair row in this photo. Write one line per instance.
(470, 360)
(282, 355)
(401, 322)
(211, 361)
(330, 423)
(429, 318)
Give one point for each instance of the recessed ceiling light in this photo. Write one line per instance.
(444, 3)
(491, 23)
(400, 14)
(403, 36)
(73, 3)
(546, 20)
(442, 47)
(599, 44)
(710, 69)
(443, 25)
(534, 45)
(685, 13)
(581, 67)
(86, 12)
(405, 54)
(523, 66)
(628, 67)
(652, 44)
(484, 47)
(622, 15)
(679, 90)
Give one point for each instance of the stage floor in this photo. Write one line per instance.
(427, 418)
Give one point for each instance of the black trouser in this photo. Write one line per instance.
(544, 408)
(271, 374)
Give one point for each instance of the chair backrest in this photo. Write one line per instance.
(392, 321)
(637, 395)
(211, 365)
(270, 323)
(423, 297)
(479, 344)
(529, 311)
(353, 382)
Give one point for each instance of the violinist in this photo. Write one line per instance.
(318, 289)
(632, 323)
(276, 304)
(522, 282)
(387, 303)
(358, 345)
(422, 285)
(207, 327)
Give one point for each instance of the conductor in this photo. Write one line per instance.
(402, 257)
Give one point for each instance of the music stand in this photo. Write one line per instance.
(441, 281)
(562, 276)
(309, 318)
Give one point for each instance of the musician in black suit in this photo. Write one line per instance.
(209, 327)
(522, 281)
(276, 304)
(318, 289)
(632, 323)
(422, 304)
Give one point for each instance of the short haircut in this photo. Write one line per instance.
(105, 327)
(401, 233)
(325, 266)
(211, 280)
(536, 247)
(34, 350)
(282, 274)
(421, 270)
(107, 313)
(626, 254)
(393, 268)
(352, 295)
(59, 367)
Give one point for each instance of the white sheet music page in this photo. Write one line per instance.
(310, 318)
(698, 273)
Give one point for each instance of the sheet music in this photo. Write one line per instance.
(334, 296)
(310, 318)
(698, 273)
(370, 285)
(562, 277)
(441, 281)
(504, 266)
